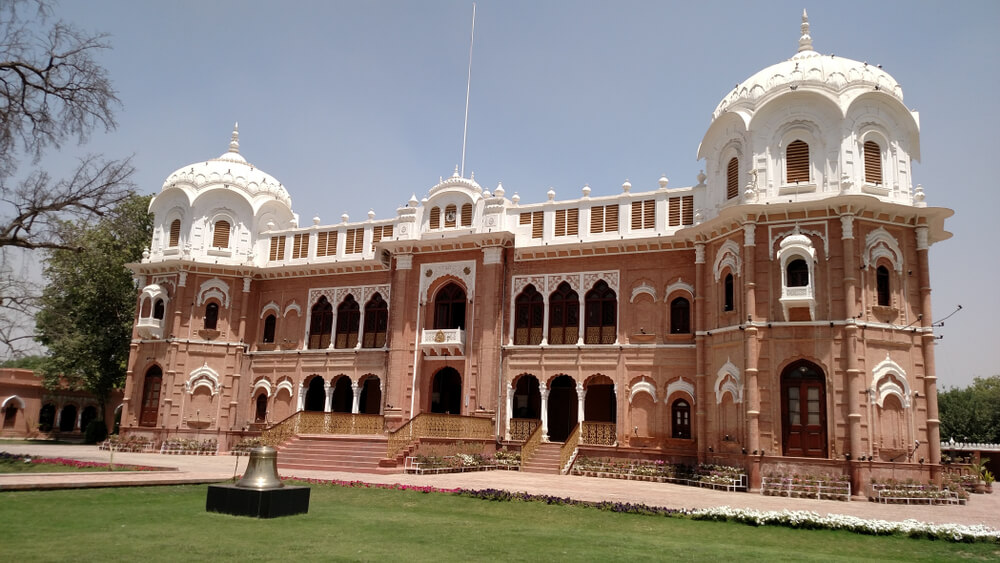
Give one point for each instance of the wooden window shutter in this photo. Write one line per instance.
(648, 214)
(449, 215)
(797, 162)
(300, 246)
(525, 219)
(733, 178)
(467, 215)
(560, 222)
(326, 243)
(873, 163)
(597, 219)
(355, 241)
(175, 232)
(221, 237)
(687, 210)
(636, 215)
(537, 223)
(277, 248)
(674, 213)
(379, 233)
(573, 221)
(435, 218)
(611, 218)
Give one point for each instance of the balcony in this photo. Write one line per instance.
(150, 328)
(796, 297)
(443, 342)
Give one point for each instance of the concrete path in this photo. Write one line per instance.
(981, 509)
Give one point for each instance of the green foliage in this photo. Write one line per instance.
(96, 431)
(25, 362)
(971, 414)
(88, 306)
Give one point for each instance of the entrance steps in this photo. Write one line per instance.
(545, 460)
(334, 453)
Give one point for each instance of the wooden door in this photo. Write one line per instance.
(150, 398)
(803, 410)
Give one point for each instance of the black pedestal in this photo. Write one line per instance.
(266, 503)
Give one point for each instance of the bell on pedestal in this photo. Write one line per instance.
(262, 470)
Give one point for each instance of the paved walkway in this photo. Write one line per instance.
(981, 509)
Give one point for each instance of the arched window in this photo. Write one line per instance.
(467, 215)
(158, 309)
(797, 273)
(733, 178)
(529, 316)
(269, 323)
(564, 315)
(602, 315)
(348, 319)
(729, 297)
(797, 162)
(376, 322)
(680, 316)
(680, 416)
(450, 215)
(260, 414)
(220, 238)
(211, 316)
(321, 324)
(175, 233)
(873, 163)
(150, 396)
(449, 307)
(882, 285)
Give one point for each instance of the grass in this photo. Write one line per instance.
(10, 463)
(171, 524)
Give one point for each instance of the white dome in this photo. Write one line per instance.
(230, 170)
(809, 71)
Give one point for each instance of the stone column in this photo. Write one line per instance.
(701, 430)
(581, 397)
(510, 408)
(241, 330)
(328, 393)
(543, 390)
(927, 345)
(853, 372)
(545, 319)
(302, 397)
(356, 403)
(361, 326)
(750, 337)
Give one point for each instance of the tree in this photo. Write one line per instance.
(87, 308)
(52, 90)
(971, 414)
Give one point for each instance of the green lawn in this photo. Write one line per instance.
(10, 463)
(170, 523)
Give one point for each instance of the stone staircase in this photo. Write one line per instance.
(545, 460)
(334, 453)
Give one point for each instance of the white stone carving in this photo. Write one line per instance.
(213, 288)
(203, 377)
(728, 381)
(464, 271)
(683, 386)
(727, 256)
(272, 306)
(679, 285)
(880, 244)
(847, 226)
(642, 387)
(644, 287)
(889, 378)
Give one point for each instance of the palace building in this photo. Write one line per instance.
(777, 313)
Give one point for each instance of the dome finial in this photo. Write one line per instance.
(805, 41)
(234, 143)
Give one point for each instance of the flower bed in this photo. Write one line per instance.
(894, 492)
(244, 446)
(827, 487)
(132, 444)
(506, 459)
(457, 463)
(182, 446)
(11, 461)
(659, 471)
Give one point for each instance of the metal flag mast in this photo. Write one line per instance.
(468, 86)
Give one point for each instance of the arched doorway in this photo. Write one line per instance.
(260, 414)
(150, 405)
(446, 392)
(370, 400)
(315, 395)
(449, 307)
(600, 403)
(343, 395)
(88, 415)
(67, 418)
(562, 408)
(803, 410)
(9, 416)
(527, 398)
(46, 417)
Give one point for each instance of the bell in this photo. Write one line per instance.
(262, 470)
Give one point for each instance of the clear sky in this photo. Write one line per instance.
(357, 105)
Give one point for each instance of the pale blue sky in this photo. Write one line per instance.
(357, 105)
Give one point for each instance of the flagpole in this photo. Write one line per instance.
(468, 87)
